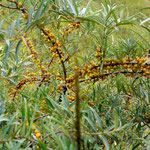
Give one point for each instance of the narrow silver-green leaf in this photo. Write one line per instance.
(75, 6)
(3, 119)
(18, 23)
(17, 49)
(11, 29)
(97, 118)
(91, 123)
(146, 20)
(116, 118)
(65, 100)
(7, 49)
(57, 138)
(105, 141)
(88, 6)
(37, 14)
(72, 7)
(45, 8)
(31, 13)
(1, 24)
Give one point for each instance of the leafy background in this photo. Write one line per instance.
(119, 117)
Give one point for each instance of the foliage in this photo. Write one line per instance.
(69, 77)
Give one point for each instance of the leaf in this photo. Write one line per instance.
(142, 38)
(146, 20)
(18, 22)
(3, 119)
(17, 49)
(11, 29)
(30, 13)
(28, 114)
(148, 29)
(102, 64)
(34, 23)
(7, 49)
(88, 6)
(75, 6)
(91, 123)
(91, 19)
(1, 36)
(119, 85)
(23, 112)
(45, 8)
(72, 104)
(72, 7)
(106, 6)
(115, 17)
(145, 8)
(116, 118)
(1, 24)
(9, 72)
(124, 126)
(63, 3)
(105, 141)
(66, 13)
(65, 100)
(42, 144)
(57, 138)
(38, 10)
(49, 103)
(97, 118)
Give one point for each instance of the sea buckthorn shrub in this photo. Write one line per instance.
(68, 78)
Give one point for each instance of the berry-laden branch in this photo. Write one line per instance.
(50, 37)
(128, 67)
(24, 81)
(45, 76)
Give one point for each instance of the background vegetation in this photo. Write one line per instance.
(74, 74)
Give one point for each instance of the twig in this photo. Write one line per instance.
(65, 135)
(40, 117)
(31, 80)
(48, 135)
(8, 6)
(100, 133)
(63, 65)
(50, 62)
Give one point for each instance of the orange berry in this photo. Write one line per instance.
(144, 69)
(129, 119)
(52, 90)
(19, 4)
(75, 67)
(33, 126)
(38, 147)
(38, 135)
(36, 131)
(43, 101)
(135, 89)
(27, 72)
(27, 123)
(91, 104)
(26, 16)
(146, 58)
(61, 88)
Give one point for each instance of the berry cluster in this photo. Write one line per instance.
(100, 68)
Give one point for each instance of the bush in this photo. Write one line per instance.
(71, 78)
